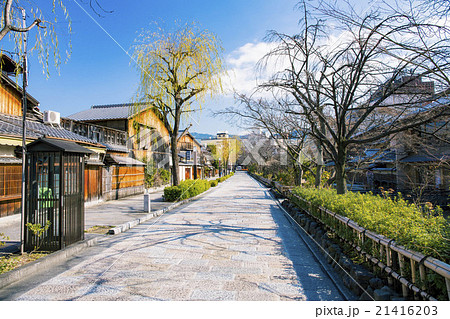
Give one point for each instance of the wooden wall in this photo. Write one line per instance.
(10, 101)
(146, 119)
(92, 183)
(127, 176)
(10, 189)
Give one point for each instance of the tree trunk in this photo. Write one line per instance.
(341, 180)
(319, 155)
(299, 174)
(318, 176)
(319, 168)
(174, 141)
(175, 161)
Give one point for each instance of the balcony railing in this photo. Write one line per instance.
(97, 133)
(186, 146)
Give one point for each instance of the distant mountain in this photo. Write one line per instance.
(202, 136)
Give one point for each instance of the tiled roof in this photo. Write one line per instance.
(52, 144)
(10, 160)
(12, 125)
(102, 112)
(122, 160)
(116, 148)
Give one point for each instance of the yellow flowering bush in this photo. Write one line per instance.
(423, 230)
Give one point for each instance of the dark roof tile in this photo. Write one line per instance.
(105, 112)
(12, 125)
(98, 113)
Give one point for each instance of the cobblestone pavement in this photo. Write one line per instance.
(232, 244)
(109, 213)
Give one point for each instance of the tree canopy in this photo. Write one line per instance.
(177, 69)
(355, 78)
(42, 21)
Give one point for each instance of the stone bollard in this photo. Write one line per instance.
(147, 206)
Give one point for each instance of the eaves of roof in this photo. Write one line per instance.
(116, 148)
(58, 145)
(18, 88)
(122, 160)
(106, 112)
(12, 126)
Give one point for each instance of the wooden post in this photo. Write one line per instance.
(389, 263)
(423, 276)
(447, 284)
(413, 276)
(376, 269)
(401, 262)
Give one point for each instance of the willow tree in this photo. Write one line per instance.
(44, 23)
(43, 20)
(177, 69)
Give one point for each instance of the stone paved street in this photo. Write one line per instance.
(232, 244)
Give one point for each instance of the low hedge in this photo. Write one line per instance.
(422, 230)
(225, 177)
(214, 182)
(186, 189)
(190, 188)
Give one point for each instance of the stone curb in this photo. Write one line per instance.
(102, 201)
(126, 226)
(44, 262)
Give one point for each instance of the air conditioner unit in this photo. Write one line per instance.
(52, 117)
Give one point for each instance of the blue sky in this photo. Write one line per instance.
(100, 72)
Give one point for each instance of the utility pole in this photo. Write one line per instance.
(24, 132)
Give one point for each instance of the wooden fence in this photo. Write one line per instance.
(127, 176)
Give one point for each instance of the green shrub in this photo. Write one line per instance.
(213, 183)
(394, 218)
(164, 174)
(155, 176)
(190, 188)
(172, 193)
(186, 189)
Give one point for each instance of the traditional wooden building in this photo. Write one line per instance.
(190, 165)
(415, 162)
(11, 140)
(146, 138)
(119, 175)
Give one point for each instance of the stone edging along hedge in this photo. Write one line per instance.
(362, 282)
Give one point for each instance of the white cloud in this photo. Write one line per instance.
(242, 62)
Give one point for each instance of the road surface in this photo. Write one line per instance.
(234, 243)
